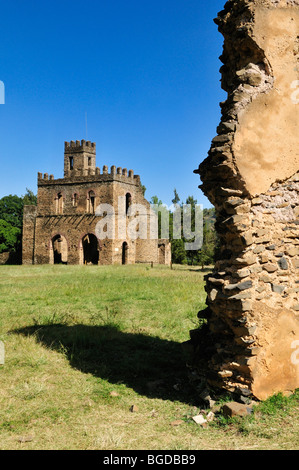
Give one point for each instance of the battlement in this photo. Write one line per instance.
(79, 146)
(93, 174)
(80, 167)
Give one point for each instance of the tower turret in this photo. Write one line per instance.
(79, 156)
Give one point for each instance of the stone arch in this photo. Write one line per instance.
(89, 249)
(58, 250)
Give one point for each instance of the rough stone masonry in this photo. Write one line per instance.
(251, 176)
(62, 228)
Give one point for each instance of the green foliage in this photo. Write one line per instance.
(176, 198)
(9, 236)
(29, 199)
(178, 252)
(277, 403)
(11, 210)
(11, 220)
(207, 254)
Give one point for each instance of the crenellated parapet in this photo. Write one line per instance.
(80, 167)
(79, 146)
(92, 174)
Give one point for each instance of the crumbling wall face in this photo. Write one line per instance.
(28, 237)
(251, 176)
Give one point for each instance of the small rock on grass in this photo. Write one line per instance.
(210, 416)
(134, 409)
(23, 439)
(199, 419)
(234, 408)
(177, 422)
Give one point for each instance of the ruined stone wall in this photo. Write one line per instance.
(251, 176)
(28, 237)
(164, 251)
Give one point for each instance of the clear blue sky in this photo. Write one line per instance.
(145, 72)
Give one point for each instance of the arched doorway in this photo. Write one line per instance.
(58, 250)
(125, 253)
(91, 249)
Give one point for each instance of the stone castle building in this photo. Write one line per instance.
(62, 228)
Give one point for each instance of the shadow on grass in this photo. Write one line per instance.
(149, 365)
(201, 270)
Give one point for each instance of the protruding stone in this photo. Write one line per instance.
(236, 409)
(283, 264)
(270, 267)
(279, 289)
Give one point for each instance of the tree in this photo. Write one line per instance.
(191, 254)
(11, 210)
(29, 199)
(9, 237)
(155, 200)
(206, 255)
(178, 252)
(163, 216)
(176, 198)
(11, 220)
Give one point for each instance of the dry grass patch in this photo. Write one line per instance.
(75, 334)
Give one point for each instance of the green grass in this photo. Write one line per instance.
(75, 334)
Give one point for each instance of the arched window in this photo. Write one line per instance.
(128, 201)
(75, 200)
(59, 204)
(91, 202)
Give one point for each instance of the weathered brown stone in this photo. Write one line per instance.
(256, 201)
(270, 267)
(236, 409)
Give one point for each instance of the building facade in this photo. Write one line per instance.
(73, 213)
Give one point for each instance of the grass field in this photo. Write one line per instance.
(85, 344)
